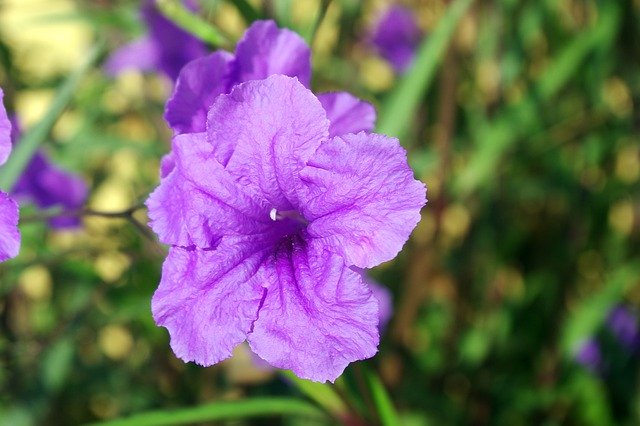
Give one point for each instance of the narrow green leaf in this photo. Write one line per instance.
(34, 137)
(248, 12)
(322, 393)
(384, 405)
(256, 407)
(310, 32)
(398, 108)
(181, 16)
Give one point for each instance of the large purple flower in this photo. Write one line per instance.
(270, 218)
(166, 48)
(47, 185)
(396, 36)
(264, 50)
(9, 234)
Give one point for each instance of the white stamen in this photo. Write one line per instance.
(273, 213)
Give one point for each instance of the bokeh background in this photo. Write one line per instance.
(506, 296)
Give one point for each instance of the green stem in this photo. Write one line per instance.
(402, 102)
(227, 410)
(33, 138)
(182, 17)
(382, 400)
(321, 393)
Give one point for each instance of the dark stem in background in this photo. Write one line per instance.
(126, 214)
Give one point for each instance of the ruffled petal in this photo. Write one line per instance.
(317, 315)
(5, 132)
(199, 201)
(361, 197)
(347, 114)
(140, 55)
(265, 50)
(176, 47)
(209, 299)
(198, 85)
(264, 132)
(9, 233)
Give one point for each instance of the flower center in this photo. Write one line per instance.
(276, 215)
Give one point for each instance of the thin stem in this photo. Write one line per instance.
(126, 214)
(181, 16)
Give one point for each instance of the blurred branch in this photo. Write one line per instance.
(124, 214)
(248, 12)
(34, 137)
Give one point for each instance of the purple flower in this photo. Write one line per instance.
(589, 355)
(624, 326)
(47, 186)
(270, 220)
(396, 37)
(9, 233)
(167, 47)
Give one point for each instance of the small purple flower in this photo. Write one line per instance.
(624, 326)
(270, 220)
(47, 186)
(396, 37)
(589, 355)
(166, 48)
(9, 214)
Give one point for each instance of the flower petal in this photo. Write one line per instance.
(209, 299)
(5, 132)
(264, 132)
(198, 85)
(317, 316)
(141, 55)
(9, 234)
(199, 201)
(347, 113)
(361, 198)
(176, 47)
(265, 50)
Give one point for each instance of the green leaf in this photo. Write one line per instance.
(34, 137)
(256, 407)
(182, 17)
(398, 108)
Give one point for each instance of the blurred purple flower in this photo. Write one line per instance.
(589, 355)
(46, 185)
(9, 214)
(166, 48)
(396, 36)
(385, 303)
(624, 326)
(270, 220)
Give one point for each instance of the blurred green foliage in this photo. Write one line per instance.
(524, 123)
